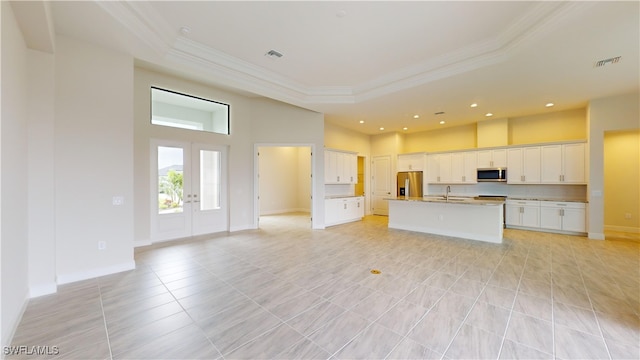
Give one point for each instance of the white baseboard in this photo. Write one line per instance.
(141, 243)
(42, 289)
(627, 229)
(94, 273)
(242, 227)
(596, 236)
(285, 211)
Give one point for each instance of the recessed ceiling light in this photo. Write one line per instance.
(381, 128)
(341, 13)
(441, 122)
(416, 116)
(185, 30)
(405, 128)
(488, 114)
(549, 104)
(361, 121)
(474, 105)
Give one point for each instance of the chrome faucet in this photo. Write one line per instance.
(446, 196)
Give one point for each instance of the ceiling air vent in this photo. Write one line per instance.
(604, 62)
(273, 54)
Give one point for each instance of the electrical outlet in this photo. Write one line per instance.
(102, 245)
(627, 216)
(118, 200)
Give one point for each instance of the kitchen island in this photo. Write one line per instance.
(466, 218)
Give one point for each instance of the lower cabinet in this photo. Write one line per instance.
(552, 216)
(563, 216)
(343, 210)
(523, 213)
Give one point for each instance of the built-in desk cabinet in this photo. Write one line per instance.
(343, 210)
(340, 167)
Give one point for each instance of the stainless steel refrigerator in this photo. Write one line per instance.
(409, 184)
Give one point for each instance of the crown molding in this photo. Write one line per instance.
(143, 21)
(148, 25)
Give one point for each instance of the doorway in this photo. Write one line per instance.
(284, 181)
(188, 190)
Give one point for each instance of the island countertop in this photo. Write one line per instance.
(452, 200)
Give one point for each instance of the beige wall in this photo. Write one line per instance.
(285, 181)
(622, 180)
(540, 128)
(613, 113)
(548, 127)
(453, 138)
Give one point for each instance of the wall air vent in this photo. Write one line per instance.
(273, 54)
(604, 62)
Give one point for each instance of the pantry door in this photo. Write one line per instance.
(188, 190)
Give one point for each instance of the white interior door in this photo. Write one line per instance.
(381, 184)
(188, 190)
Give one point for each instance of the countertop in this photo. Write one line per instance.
(540, 198)
(452, 200)
(341, 196)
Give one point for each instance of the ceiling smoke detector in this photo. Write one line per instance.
(601, 63)
(273, 54)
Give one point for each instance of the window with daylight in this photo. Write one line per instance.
(169, 108)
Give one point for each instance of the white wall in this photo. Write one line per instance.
(13, 177)
(274, 122)
(285, 182)
(253, 121)
(93, 160)
(612, 113)
(42, 250)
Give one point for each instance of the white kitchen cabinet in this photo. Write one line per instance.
(452, 168)
(343, 210)
(525, 213)
(563, 216)
(464, 167)
(439, 169)
(340, 167)
(494, 158)
(563, 164)
(523, 165)
(411, 162)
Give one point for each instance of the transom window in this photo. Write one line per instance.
(169, 108)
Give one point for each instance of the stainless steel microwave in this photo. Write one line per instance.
(492, 174)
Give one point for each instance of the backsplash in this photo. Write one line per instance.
(559, 192)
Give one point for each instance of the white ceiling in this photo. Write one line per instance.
(382, 61)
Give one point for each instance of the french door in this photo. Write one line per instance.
(188, 189)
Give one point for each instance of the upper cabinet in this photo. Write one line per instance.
(411, 162)
(452, 168)
(340, 167)
(495, 158)
(523, 165)
(564, 164)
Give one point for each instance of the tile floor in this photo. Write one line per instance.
(288, 292)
